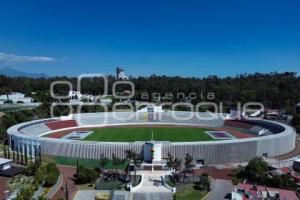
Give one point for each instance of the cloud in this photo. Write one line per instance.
(13, 59)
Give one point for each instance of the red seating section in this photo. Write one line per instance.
(237, 124)
(61, 124)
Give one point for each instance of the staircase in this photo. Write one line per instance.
(153, 196)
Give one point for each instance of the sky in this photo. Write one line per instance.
(186, 38)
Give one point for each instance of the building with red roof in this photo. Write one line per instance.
(245, 191)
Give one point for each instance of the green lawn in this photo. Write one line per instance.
(187, 192)
(89, 163)
(131, 134)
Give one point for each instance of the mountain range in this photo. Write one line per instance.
(11, 72)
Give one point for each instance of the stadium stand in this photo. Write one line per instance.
(272, 127)
(61, 124)
(236, 150)
(259, 130)
(166, 117)
(35, 129)
(238, 124)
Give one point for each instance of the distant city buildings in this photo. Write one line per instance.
(120, 74)
(75, 97)
(15, 97)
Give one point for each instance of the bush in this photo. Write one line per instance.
(39, 176)
(8, 101)
(25, 193)
(47, 174)
(85, 175)
(51, 178)
(205, 182)
(41, 198)
(52, 174)
(31, 169)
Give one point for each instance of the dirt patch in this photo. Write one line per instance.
(215, 172)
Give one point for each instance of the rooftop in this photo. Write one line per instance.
(248, 191)
(4, 161)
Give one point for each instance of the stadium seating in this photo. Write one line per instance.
(272, 127)
(238, 124)
(125, 117)
(61, 124)
(259, 130)
(35, 129)
(213, 152)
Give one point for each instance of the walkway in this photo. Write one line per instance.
(91, 194)
(67, 172)
(3, 187)
(151, 182)
(151, 187)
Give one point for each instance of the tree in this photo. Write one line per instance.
(256, 168)
(14, 154)
(77, 167)
(18, 154)
(188, 161)
(116, 161)
(8, 152)
(174, 164)
(129, 155)
(85, 175)
(205, 182)
(26, 158)
(177, 164)
(22, 154)
(170, 161)
(4, 151)
(103, 161)
(40, 155)
(136, 160)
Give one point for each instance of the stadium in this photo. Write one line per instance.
(210, 140)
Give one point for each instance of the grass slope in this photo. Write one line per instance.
(131, 134)
(188, 192)
(89, 163)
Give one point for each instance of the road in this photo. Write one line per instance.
(220, 188)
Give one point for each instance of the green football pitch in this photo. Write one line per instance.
(132, 134)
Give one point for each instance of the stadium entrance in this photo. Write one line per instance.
(152, 157)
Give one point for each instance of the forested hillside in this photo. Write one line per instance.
(274, 90)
